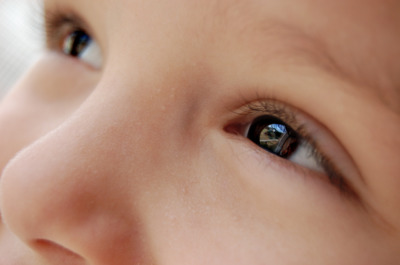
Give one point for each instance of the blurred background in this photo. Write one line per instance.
(21, 39)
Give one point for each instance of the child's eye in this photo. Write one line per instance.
(79, 44)
(286, 133)
(275, 136)
(68, 33)
(76, 42)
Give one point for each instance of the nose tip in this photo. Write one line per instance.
(60, 207)
(20, 214)
(17, 199)
(81, 188)
(40, 208)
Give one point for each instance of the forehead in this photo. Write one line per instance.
(358, 39)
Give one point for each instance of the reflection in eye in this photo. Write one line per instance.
(76, 42)
(273, 135)
(79, 44)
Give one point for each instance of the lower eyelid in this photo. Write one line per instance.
(264, 162)
(264, 158)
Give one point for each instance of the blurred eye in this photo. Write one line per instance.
(76, 42)
(79, 44)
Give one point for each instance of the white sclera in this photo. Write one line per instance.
(92, 55)
(305, 158)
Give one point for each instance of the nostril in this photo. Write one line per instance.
(55, 253)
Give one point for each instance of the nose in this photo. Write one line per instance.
(73, 191)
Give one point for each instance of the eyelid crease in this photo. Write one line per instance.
(276, 108)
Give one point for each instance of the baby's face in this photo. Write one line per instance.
(206, 132)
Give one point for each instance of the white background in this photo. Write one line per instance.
(21, 39)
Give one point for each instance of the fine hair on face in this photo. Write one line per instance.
(205, 132)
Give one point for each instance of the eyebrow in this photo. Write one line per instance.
(290, 43)
(350, 68)
(295, 45)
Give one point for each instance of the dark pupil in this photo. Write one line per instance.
(76, 42)
(274, 136)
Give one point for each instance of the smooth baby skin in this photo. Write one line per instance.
(144, 160)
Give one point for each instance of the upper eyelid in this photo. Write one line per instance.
(58, 23)
(272, 107)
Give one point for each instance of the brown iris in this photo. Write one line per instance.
(75, 43)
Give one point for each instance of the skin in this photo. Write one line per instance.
(134, 163)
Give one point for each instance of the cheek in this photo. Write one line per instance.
(295, 214)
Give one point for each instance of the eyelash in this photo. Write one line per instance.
(58, 24)
(286, 114)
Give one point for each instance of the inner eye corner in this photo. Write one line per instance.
(234, 128)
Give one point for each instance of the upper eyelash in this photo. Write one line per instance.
(58, 24)
(275, 108)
